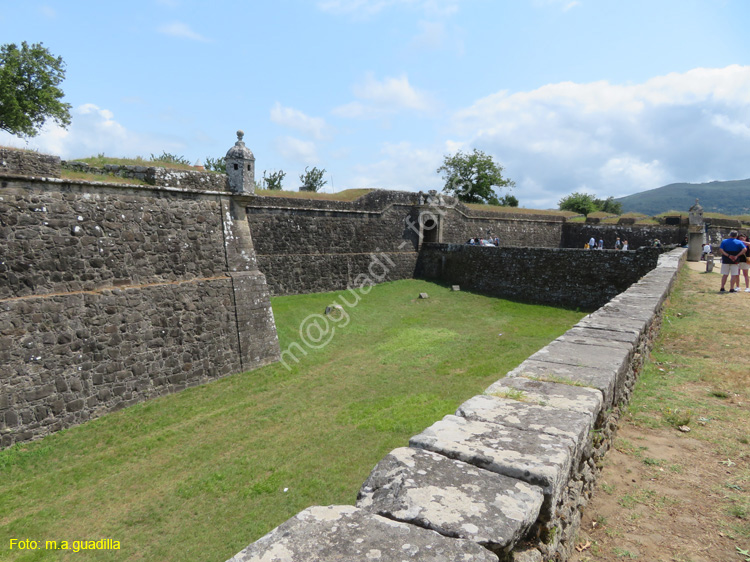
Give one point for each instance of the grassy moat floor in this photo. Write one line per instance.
(199, 475)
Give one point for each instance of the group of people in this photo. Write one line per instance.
(734, 258)
(484, 241)
(593, 245)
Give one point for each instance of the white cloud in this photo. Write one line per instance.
(297, 151)
(615, 139)
(366, 8)
(92, 131)
(384, 97)
(564, 5)
(402, 167)
(48, 12)
(181, 30)
(295, 119)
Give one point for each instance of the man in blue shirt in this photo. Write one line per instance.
(730, 250)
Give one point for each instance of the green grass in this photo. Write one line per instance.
(200, 474)
(344, 195)
(101, 160)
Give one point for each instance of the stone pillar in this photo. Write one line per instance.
(241, 167)
(695, 232)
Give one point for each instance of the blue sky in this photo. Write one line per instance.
(603, 96)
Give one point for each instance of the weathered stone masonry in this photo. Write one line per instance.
(306, 246)
(560, 277)
(506, 478)
(111, 294)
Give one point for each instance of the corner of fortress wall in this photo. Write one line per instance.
(502, 479)
(113, 294)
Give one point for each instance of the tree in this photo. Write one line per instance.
(508, 200)
(473, 177)
(273, 180)
(169, 158)
(584, 204)
(216, 164)
(312, 180)
(609, 205)
(29, 95)
(581, 203)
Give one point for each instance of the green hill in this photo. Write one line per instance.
(726, 197)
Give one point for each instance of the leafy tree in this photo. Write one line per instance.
(273, 180)
(508, 200)
(609, 205)
(584, 204)
(169, 158)
(581, 203)
(29, 95)
(312, 180)
(473, 177)
(216, 164)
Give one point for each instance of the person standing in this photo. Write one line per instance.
(731, 249)
(618, 244)
(592, 243)
(625, 245)
(744, 262)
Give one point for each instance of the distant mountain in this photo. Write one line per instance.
(726, 197)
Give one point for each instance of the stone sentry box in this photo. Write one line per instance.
(506, 478)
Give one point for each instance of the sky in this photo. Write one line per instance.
(607, 97)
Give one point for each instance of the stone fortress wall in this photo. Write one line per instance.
(112, 294)
(306, 246)
(506, 477)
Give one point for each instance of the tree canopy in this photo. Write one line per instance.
(585, 204)
(312, 180)
(29, 93)
(273, 180)
(473, 177)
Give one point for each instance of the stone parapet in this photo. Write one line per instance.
(26, 163)
(155, 175)
(477, 476)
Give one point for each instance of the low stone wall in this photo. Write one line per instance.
(559, 277)
(155, 175)
(26, 163)
(576, 234)
(504, 479)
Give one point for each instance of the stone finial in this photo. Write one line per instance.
(241, 167)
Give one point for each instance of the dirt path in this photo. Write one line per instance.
(669, 496)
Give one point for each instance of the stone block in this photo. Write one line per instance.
(346, 533)
(576, 398)
(536, 458)
(451, 497)
(604, 381)
(569, 424)
(607, 358)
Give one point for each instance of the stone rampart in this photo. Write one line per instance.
(504, 479)
(306, 245)
(112, 294)
(560, 277)
(576, 234)
(26, 163)
(155, 175)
